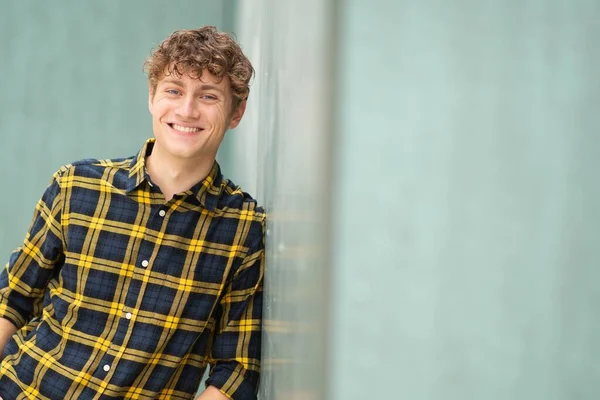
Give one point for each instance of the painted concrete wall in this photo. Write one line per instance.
(282, 155)
(446, 228)
(466, 239)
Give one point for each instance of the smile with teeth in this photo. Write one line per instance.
(184, 128)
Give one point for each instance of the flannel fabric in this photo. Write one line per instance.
(117, 293)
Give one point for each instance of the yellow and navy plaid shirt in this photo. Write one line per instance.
(119, 294)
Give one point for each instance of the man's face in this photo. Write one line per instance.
(190, 116)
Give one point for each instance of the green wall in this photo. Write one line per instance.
(282, 155)
(466, 241)
(439, 238)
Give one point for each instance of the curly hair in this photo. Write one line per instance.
(194, 50)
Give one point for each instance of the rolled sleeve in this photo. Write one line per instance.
(24, 280)
(235, 354)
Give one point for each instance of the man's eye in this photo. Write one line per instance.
(173, 91)
(208, 97)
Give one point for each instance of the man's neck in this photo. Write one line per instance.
(174, 175)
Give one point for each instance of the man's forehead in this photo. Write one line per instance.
(193, 76)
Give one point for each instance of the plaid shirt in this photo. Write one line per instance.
(119, 294)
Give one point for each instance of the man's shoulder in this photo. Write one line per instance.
(93, 168)
(92, 164)
(234, 199)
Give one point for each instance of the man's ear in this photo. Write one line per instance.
(237, 114)
(151, 92)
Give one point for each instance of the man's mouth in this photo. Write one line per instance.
(185, 129)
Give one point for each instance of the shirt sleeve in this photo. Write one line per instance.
(30, 267)
(236, 347)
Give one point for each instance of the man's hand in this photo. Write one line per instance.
(7, 329)
(212, 393)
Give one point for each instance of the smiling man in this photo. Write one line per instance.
(138, 272)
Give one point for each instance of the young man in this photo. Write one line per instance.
(137, 272)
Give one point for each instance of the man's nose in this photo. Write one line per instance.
(189, 108)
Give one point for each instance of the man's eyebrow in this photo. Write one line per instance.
(208, 86)
(173, 81)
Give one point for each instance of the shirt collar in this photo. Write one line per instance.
(207, 191)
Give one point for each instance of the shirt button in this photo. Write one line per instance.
(145, 263)
(128, 315)
(162, 213)
(106, 368)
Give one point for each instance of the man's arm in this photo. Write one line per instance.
(212, 393)
(236, 346)
(24, 280)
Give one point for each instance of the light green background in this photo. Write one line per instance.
(467, 242)
(438, 239)
(429, 169)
